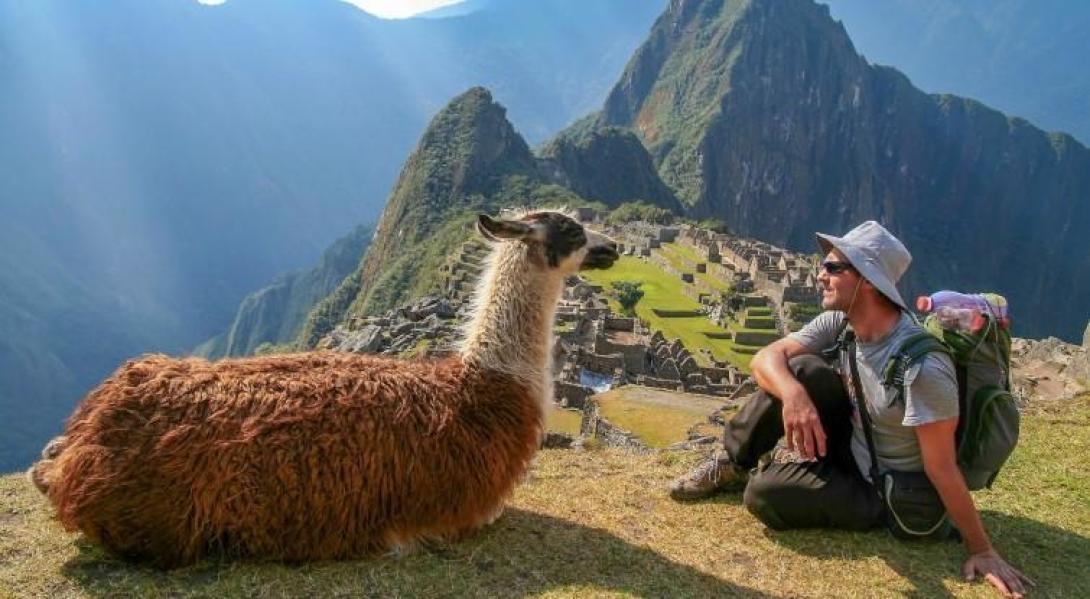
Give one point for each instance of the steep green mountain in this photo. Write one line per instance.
(463, 162)
(761, 113)
(1024, 57)
(470, 159)
(276, 314)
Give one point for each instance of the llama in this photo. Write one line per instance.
(325, 455)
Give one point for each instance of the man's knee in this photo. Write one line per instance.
(811, 367)
(818, 377)
(762, 498)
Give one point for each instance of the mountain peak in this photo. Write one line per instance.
(465, 148)
(702, 53)
(464, 159)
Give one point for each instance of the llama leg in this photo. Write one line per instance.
(493, 515)
(54, 447)
(39, 474)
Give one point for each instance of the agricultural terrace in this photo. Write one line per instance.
(665, 292)
(675, 253)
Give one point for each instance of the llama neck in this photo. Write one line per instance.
(511, 329)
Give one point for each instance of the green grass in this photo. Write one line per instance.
(599, 523)
(764, 322)
(564, 327)
(685, 251)
(658, 417)
(668, 251)
(675, 252)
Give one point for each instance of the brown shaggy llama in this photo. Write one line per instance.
(325, 455)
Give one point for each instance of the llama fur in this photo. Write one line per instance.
(325, 455)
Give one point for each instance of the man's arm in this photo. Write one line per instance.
(801, 423)
(940, 462)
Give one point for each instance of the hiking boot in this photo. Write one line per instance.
(716, 473)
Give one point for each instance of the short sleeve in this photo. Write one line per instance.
(932, 391)
(820, 333)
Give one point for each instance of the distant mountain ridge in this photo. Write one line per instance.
(1023, 57)
(276, 314)
(469, 160)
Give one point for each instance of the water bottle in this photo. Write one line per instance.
(965, 311)
(960, 319)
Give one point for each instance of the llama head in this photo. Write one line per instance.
(553, 239)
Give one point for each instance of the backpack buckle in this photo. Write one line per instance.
(900, 367)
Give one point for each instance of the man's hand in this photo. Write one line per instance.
(998, 572)
(802, 427)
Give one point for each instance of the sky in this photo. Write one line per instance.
(387, 9)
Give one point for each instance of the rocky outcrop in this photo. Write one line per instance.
(1049, 369)
(428, 325)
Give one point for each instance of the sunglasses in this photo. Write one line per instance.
(835, 268)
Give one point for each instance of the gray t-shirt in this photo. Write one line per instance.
(932, 392)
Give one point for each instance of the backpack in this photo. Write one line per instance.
(988, 418)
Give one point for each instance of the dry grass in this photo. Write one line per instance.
(599, 524)
(656, 416)
(563, 421)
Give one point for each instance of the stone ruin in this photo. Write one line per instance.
(673, 367)
(426, 327)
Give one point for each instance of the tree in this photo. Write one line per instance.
(628, 294)
(640, 210)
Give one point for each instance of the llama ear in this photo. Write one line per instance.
(500, 229)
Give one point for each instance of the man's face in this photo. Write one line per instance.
(838, 282)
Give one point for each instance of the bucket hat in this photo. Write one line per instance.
(876, 254)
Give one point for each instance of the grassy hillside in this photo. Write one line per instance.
(599, 523)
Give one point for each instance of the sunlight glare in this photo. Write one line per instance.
(400, 9)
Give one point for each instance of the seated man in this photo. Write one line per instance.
(803, 400)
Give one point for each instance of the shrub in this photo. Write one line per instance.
(628, 295)
(633, 211)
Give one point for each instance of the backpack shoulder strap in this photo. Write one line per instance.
(856, 393)
(832, 353)
(912, 351)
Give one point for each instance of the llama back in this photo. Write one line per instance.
(310, 456)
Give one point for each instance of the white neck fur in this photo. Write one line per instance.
(514, 305)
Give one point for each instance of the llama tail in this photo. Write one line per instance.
(41, 473)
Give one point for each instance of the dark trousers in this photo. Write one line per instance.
(827, 493)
